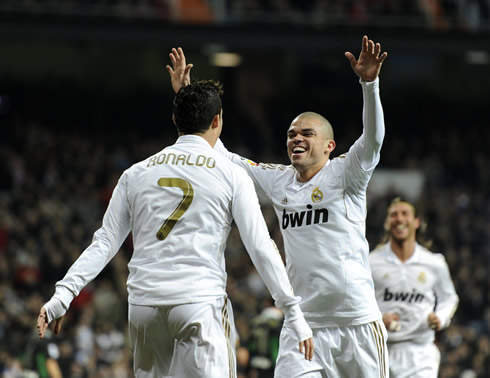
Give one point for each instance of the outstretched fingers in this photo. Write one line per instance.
(42, 323)
(177, 58)
(351, 57)
(364, 44)
(371, 47)
(382, 57)
(179, 70)
(377, 50)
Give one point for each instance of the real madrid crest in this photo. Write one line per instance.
(316, 195)
(422, 278)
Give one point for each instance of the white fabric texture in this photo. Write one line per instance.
(179, 205)
(323, 224)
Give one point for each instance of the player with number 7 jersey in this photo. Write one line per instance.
(179, 205)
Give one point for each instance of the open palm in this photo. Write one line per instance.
(368, 66)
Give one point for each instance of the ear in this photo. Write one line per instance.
(386, 225)
(416, 223)
(329, 145)
(215, 122)
(173, 119)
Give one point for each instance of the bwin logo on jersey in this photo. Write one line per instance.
(298, 219)
(403, 296)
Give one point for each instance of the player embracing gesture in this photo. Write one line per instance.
(320, 204)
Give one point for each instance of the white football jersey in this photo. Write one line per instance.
(413, 289)
(322, 222)
(179, 205)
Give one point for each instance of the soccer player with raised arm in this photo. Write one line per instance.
(179, 205)
(414, 291)
(320, 204)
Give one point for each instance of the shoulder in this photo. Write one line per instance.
(340, 164)
(340, 159)
(229, 171)
(432, 258)
(270, 168)
(137, 168)
(378, 254)
(276, 167)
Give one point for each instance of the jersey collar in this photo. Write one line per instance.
(192, 139)
(394, 258)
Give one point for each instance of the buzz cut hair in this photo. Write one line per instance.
(322, 121)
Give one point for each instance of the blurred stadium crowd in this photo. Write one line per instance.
(56, 180)
(58, 167)
(435, 14)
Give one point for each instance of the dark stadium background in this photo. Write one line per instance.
(84, 94)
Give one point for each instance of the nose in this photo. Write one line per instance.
(297, 138)
(398, 217)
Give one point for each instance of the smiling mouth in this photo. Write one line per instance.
(298, 150)
(399, 227)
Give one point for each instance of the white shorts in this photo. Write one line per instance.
(351, 351)
(183, 341)
(410, 360)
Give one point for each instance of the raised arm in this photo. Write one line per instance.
(180, 72)
(368, 67)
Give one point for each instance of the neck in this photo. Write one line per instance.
(403, 249)
(307, 174)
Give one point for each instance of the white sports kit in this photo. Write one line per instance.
(323, 226)
(413, 289)
(179, 205)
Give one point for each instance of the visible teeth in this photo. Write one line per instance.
(299, 149)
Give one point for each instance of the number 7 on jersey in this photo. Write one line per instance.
(185, 202)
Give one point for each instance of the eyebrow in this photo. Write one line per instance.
(309, 129)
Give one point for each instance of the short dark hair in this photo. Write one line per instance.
(196, 104)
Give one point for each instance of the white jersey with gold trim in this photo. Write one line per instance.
(179, 205)
(322, 223)
(413, 289)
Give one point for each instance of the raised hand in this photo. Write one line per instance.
(180, 72)
(368, 66)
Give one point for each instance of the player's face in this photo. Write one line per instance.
(402, 224)
(307, 144)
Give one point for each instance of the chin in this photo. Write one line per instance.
(399, 238)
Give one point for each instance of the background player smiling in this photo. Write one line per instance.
(414, 291)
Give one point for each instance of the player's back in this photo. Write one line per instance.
(180, 204)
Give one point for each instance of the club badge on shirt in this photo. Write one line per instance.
(316, 195)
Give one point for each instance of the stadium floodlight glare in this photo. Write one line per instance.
(477, 57)
(225, 59)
